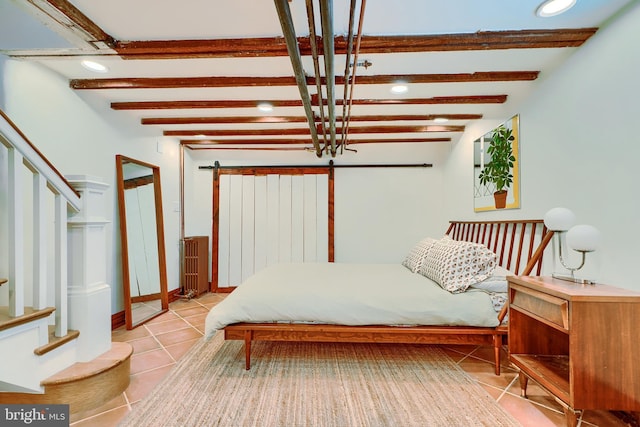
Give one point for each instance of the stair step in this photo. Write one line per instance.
(84, 385)
(55, 342)
(29, 315)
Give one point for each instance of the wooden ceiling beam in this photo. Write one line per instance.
(180, 82)
(220, 81)
(397, 140)
(276, 46)
(209, 147)
(482, 40)
(481, 76)
(305, 131)
(472, 99)
(284, 141)
(182, 105)
(67, 19)
(299, 119)
(232, 103)
(221, 120)
(250, 141)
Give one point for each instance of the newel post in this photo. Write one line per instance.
(89, 295)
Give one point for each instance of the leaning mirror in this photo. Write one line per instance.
(144, 267)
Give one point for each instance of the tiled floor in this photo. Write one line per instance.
(159, 343)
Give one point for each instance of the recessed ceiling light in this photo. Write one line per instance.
(399, 88)
(441, 120)
(265, 106)
(554, 7)
(94, 66)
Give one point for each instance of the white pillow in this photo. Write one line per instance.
(416, 255)
(455, 265)
(497, 282)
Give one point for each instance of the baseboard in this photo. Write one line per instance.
(174, 295)
(117, 320)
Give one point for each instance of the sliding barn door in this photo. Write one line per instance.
(264, 217)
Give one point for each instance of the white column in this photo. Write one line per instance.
(16, 234)
(89, 294)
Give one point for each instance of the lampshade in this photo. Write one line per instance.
(583, 238)
(559, 219)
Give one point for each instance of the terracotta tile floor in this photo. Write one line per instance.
(161, 342)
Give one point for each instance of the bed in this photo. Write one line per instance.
(430, 298)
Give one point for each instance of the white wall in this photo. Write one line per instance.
(78, 141)
(579, 149)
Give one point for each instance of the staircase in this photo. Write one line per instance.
(55, 308)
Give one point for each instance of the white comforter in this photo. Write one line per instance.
(348, 294)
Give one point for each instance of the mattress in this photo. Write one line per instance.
(349, 294)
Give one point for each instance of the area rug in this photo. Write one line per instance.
(317, 384)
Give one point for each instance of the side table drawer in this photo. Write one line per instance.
(547, 307)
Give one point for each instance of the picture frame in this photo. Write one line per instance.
(496, 166)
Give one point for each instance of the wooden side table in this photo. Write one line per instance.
(579, 342)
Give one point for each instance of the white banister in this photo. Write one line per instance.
(10, 136)
(60, 247)
(16, 234)
(22, 155)
(39, 242)
(64, 266)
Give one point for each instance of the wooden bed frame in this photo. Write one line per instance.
(519, 246)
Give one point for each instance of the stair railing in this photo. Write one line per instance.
(21, 154)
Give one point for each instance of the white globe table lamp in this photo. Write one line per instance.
(581, 238)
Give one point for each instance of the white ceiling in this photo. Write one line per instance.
(23, 34)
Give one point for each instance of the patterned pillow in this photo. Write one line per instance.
(455, 265)
(413, 261)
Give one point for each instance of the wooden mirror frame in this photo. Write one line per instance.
(162, 263)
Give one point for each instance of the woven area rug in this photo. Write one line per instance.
(317, 384)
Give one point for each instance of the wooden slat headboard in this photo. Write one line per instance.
(518, 244)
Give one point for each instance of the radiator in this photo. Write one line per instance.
(196, 266)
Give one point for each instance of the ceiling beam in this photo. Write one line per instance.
(221, 120)
(472, 99)
(305, 131)
(250, 141)
(181, 105)
(481, 76)
(234, 103)
(276, 46)
(286, 141)
(397, 140)
(69, 21)
(299, 119)
(209, 147)
(219, 81)
(180, 82)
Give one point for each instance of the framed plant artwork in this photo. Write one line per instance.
(496, 168)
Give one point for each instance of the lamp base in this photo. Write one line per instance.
(574, 279)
